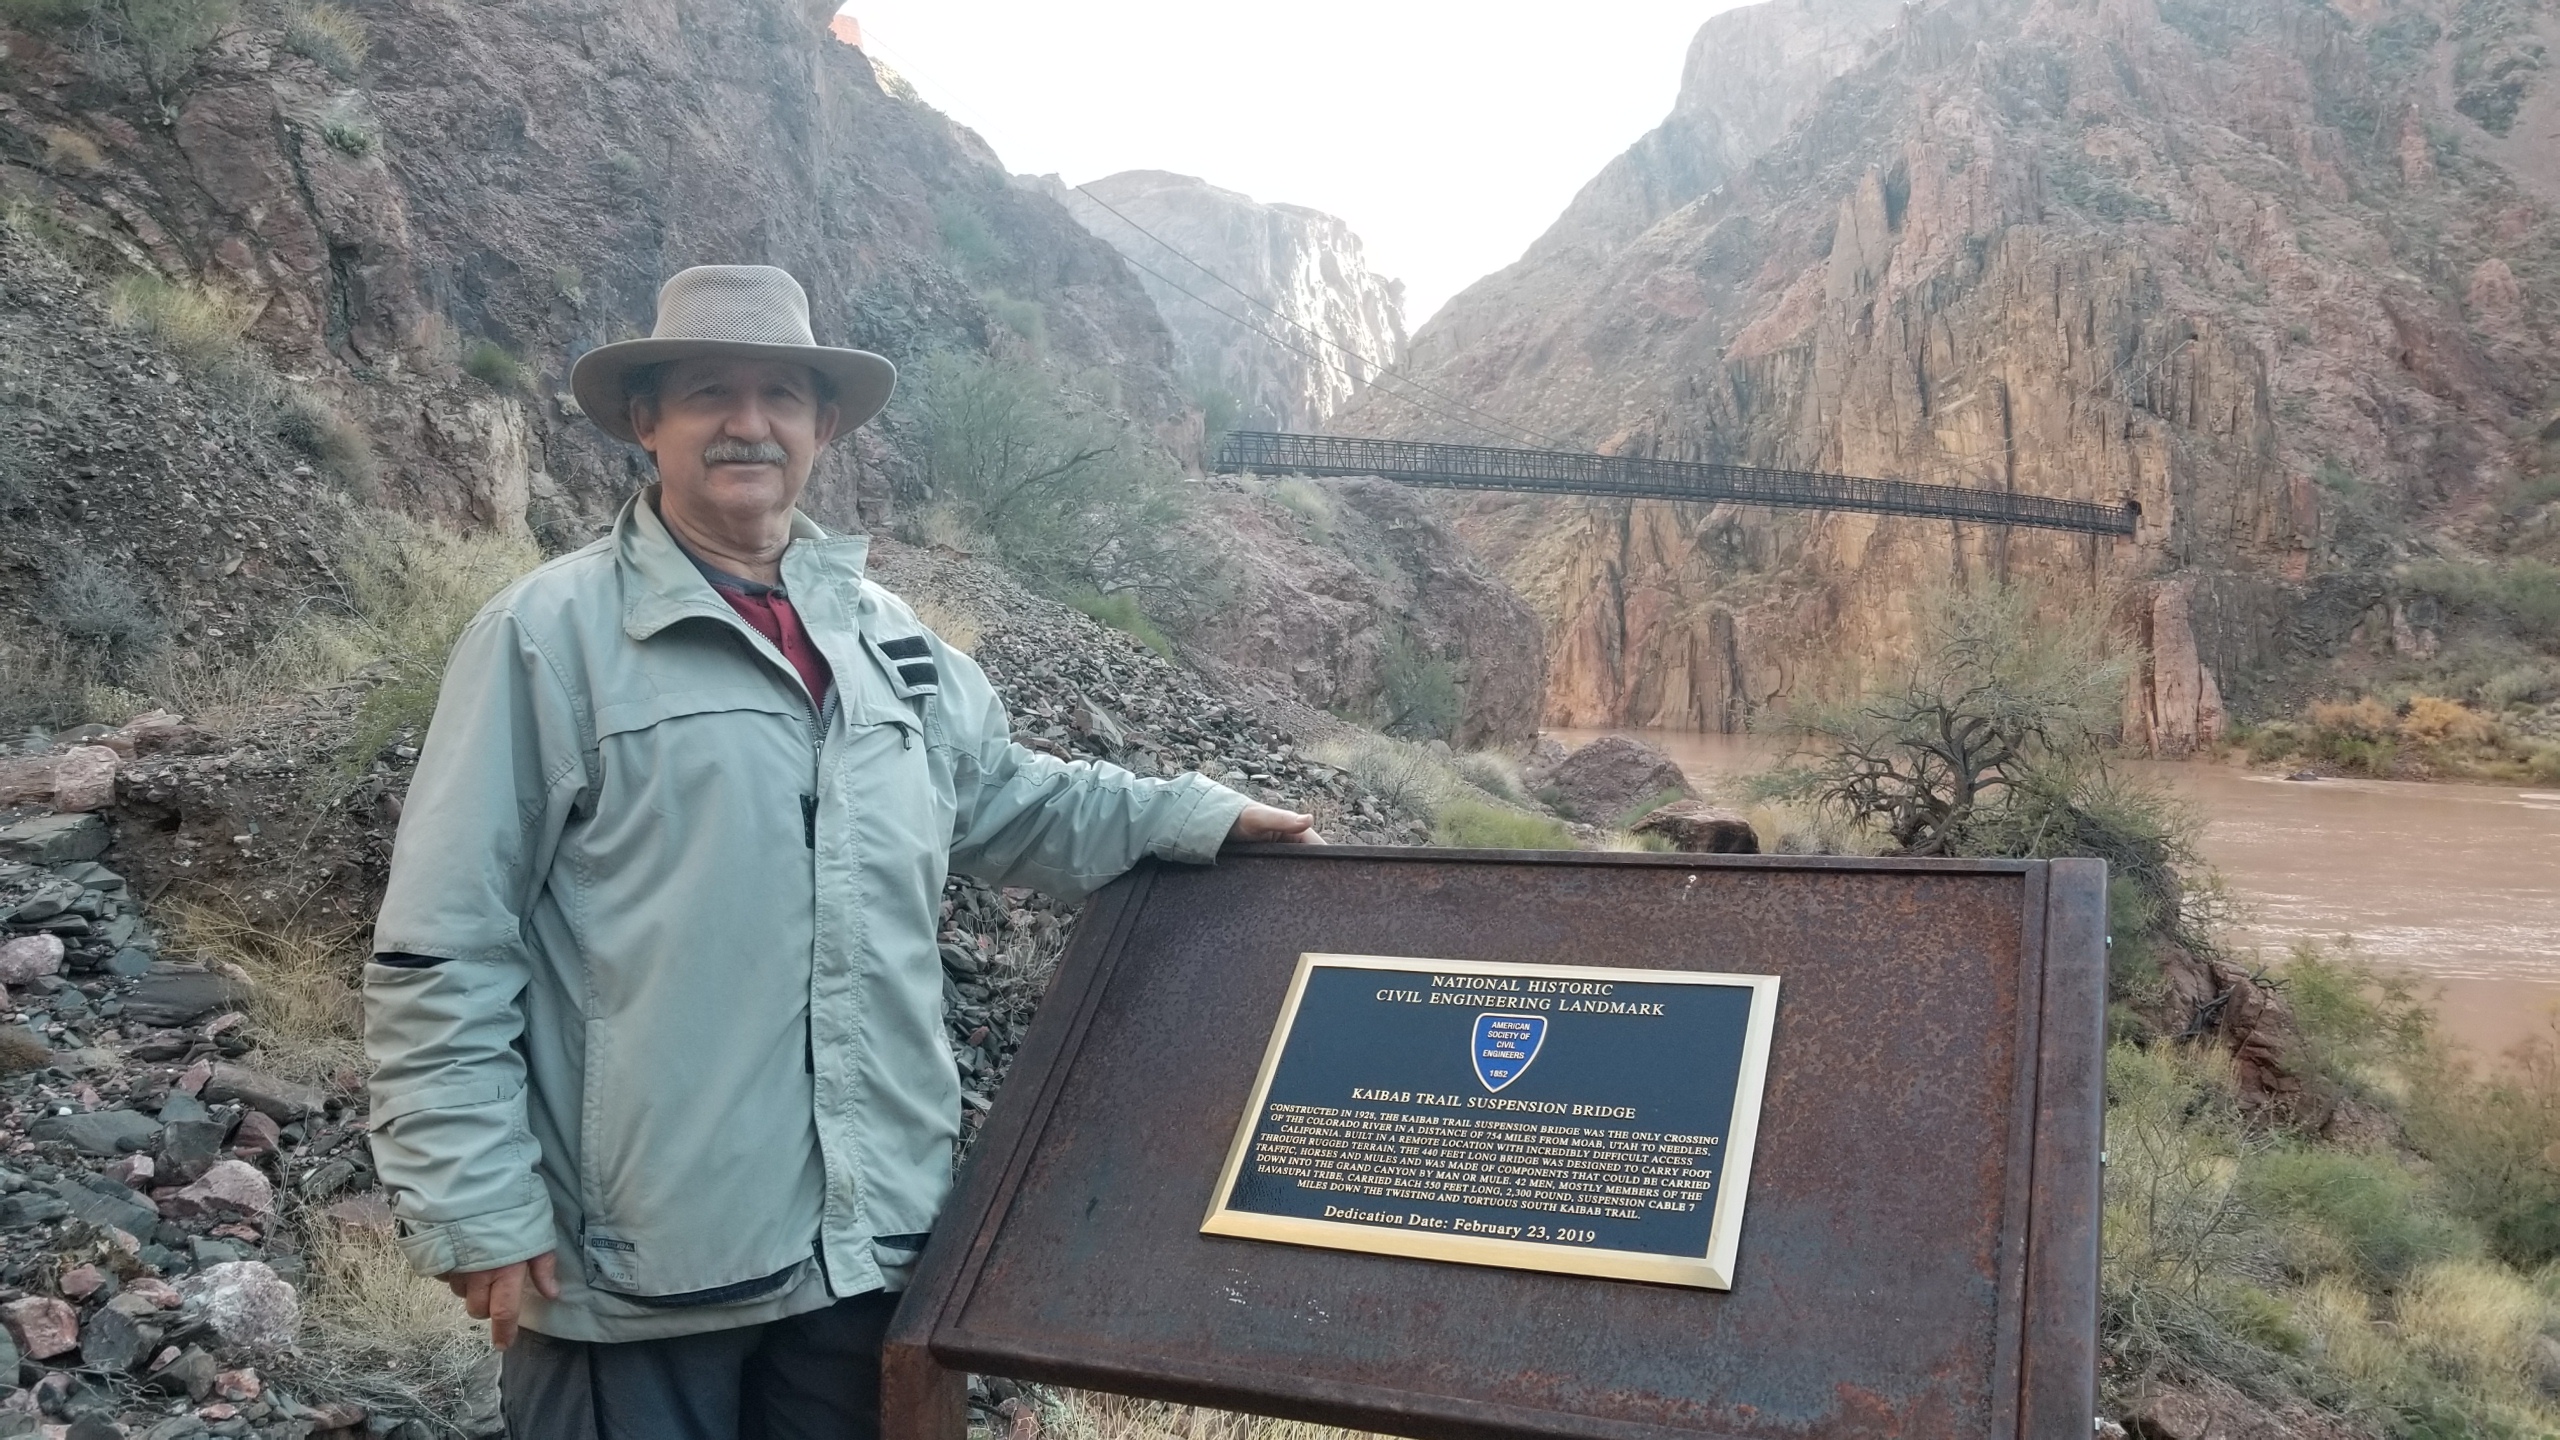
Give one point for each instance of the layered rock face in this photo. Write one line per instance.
(2254, 268)
(519, 179)
(1326, 579)
(1302, 264)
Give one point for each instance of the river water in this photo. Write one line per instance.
(2456, 886)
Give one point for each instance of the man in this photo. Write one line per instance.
(656, 1011)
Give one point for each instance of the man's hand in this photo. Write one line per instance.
(1268, 822)
(495, 1295)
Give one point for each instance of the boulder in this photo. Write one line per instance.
(170, 995)
(54, 839)
(228, 1189)
(1701, 829)
(246, 1303)
(1599, 783)
(104, 1203)
(283, 1100)
(114, 1341)
(28, 957)
(99, 1132)
(26, 780)
(84, 779)
(42, 1325)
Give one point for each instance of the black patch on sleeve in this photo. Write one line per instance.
(402, 960)
(906, 647)
(920, 672)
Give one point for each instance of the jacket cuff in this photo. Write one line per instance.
(482, 1242)
(1210, 814)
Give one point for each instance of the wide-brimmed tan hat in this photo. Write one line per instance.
(754, 311)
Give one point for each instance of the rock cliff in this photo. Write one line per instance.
(1332, 585)
(2282, 274)
(430, 217)
(1302, 264)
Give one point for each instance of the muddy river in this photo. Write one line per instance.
(2456, 886)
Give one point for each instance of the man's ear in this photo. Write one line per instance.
(829, 418)
(644, 422)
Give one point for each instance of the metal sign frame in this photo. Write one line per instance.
(1922, 1252)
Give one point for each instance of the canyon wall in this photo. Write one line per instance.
(1306, 325)
(510, 183)
(2263, 270)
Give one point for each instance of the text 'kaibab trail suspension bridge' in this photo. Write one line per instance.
(1565, 472)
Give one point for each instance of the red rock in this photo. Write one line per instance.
(1701, 829)
(80, 1281)
(362, 1214)
(135, 1171)
(194, 1079)
(229, 1188)
(241, 1385)
(27, 780)
(84, 779)
(257, 1135)
(216, 1412)
(158, 1291)
(42, 1325)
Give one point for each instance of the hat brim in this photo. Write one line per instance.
(861, 379)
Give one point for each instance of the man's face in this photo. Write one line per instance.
(733, 436)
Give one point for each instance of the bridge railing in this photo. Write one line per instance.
(1487, 467)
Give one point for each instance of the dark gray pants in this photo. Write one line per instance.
(811, 1377)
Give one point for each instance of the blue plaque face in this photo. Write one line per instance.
(1562, 1117)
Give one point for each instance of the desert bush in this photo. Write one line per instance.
(1494, 773)
(2361, 1214)
(348, 132)
(1309, 502)
(1406, 778)
(2473, 1321)
(1075, 500)
(493, 365)
(304, 1006)
(47, 14)
(2524, 594)
(956, 626)
(168, 36)
(1122, 612)
(2527, 684)
(2364, 718)
(2493, 1143)
(973, 246)
(2434, 720)
(199, 324)
(2362, 1030)
(105, 616)
(411, 587)
(313, 426)
(1079, 1415)
(43, 685)
(1475, 825)
(330, 35)
(1026, 319)
(1418, 693)
(1994, 692)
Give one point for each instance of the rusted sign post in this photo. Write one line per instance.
(1917, 1254)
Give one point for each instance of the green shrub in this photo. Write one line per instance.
(1628, 817)
(411, 588)
(1418, 694)
(972, 246)
(1494, 773)
(349, 133)
(330, 35)
(1121, 612)
(2352, 1212)
(1474, 825)
(46, 14)
(493, 365)
(169, 36)
(2492, 1142)
(1309, 502)
(1025, 318)
(569, 285)
(2525, 594)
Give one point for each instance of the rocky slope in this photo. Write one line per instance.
(1330, 585)
(507, 188)
(1303, 264)
(2283, 274)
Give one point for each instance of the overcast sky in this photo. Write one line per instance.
(1448, 134)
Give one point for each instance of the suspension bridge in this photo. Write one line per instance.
(1626, 477)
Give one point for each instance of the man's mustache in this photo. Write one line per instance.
(742, 452)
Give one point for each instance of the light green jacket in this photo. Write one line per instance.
(686, 1027)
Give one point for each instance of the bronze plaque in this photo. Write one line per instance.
(1920, 1256)
(1579, 1119)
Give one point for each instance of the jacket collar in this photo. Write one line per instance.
(821, 572)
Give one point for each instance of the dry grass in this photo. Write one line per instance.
(2474, 1321)
(71, 150)
(306, 1009)
(1086, 1415)
(959, 627)
(378, 1333)
(200, 324)
(331, 35)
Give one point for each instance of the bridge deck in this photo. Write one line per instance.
(1562, 472)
